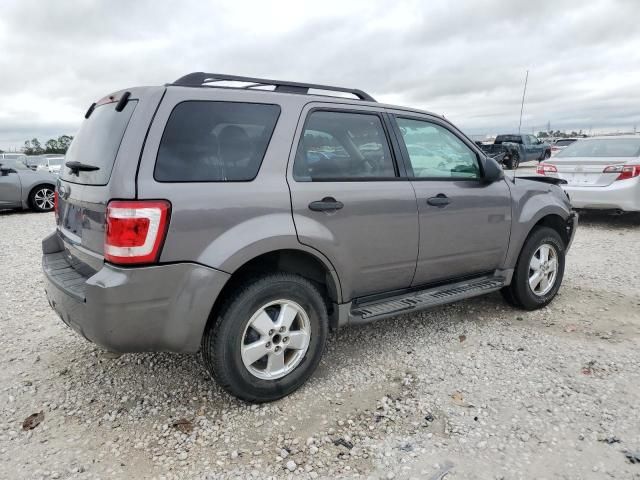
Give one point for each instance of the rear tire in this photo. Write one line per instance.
(513, 162)
(41, 198)
(538, 275)
(251, 322)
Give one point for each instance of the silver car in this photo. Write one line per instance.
(21, 187)
(602, 173)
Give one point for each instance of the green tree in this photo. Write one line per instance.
(51, 146)
(63, 143)
(36, 147)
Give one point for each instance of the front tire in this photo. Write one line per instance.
(539, 271)
(41, 198)
(267, 338)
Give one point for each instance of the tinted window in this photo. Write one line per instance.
(215, 141)
(435, 152)
(564, 143)
(603, 147)
(97, 143)
(508, 138)
(12, 163)
(343, 145)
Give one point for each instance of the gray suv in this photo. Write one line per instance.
(246, 217)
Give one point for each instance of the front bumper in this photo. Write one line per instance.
(620, 195)
(572, 225)
(153, 308)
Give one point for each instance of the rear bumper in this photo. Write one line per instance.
(154, 308)
(622, 195)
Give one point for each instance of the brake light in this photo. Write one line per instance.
(135, 230)
(56, 210)
(555, 149)
(625, 171)
(544, 168)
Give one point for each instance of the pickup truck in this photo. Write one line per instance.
(512, 149)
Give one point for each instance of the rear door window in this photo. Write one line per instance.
(97, 143)
(206, 141)
(343, 146)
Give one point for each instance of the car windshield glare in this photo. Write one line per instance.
(602, 147)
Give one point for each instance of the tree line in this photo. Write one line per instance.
(53, 145)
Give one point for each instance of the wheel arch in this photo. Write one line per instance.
(290, 260)
(32, 188)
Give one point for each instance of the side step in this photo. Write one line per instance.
(422, 299)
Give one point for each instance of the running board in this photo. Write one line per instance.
(422, 299)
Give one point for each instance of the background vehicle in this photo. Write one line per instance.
(13, 156)
(245, 223)
(51, 164)
(530, 147)
(560, 144)
(601, 172)
(507, 154)
(20, 187)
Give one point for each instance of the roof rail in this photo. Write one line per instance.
(199, 79)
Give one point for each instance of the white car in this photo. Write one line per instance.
(51, 164)
(602, 173)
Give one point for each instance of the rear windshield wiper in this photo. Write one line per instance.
(77, 167)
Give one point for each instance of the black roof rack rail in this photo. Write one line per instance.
(199, 79)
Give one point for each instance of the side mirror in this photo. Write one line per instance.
(7, 171)
(492, 170)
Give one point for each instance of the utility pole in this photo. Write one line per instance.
(522, 105)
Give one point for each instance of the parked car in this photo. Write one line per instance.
(21, 187)
(530, 147)
(560, 144)
(51, 164)
(245, 223)
(601, 172)
(505, 153)
(33, 161)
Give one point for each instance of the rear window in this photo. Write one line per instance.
(97, 143)
(602, 147)
(508, 138)
(215, 141)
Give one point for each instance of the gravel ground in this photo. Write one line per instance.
(475, 389)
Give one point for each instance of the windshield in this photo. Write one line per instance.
(97, 143)
(602, 147)
(564, 143)
(11, 163)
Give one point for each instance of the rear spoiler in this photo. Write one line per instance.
(543, 179)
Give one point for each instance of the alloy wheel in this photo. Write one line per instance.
(276, 339)
(543, 269)
(43, 199)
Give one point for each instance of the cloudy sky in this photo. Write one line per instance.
(465, 59)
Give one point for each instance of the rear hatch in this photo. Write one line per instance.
(100, 165)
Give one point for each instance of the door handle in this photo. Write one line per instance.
(440, 200)
(327, 204)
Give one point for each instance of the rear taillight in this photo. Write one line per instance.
(625, 171)
(135, 230)
(555, 149)
(544, 168)
(56, 209)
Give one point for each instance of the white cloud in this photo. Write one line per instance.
(464, 59)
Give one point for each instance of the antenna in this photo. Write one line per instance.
(523, 94)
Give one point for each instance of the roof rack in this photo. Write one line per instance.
(199, 79)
